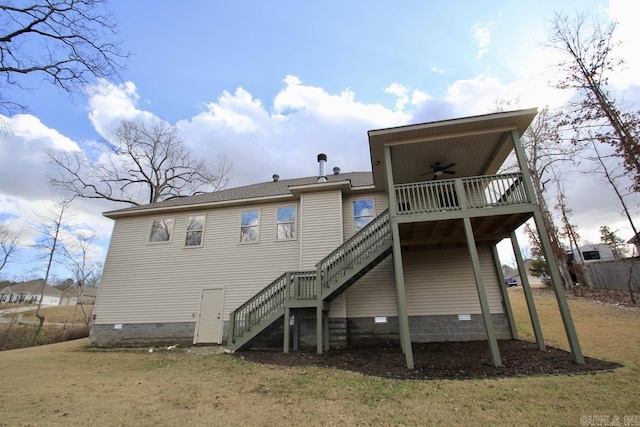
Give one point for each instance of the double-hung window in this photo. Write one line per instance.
(250, 226)
(195, 230)
(363, 213)
(286, 223)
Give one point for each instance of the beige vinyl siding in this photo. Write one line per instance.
(380, 203)
(437, 282)
(320, 226)
(162, 282)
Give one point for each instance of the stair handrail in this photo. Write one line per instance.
(377, 231)
(269, 299)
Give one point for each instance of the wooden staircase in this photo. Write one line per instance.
(307, 289)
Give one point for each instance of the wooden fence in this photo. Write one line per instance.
(613, 274)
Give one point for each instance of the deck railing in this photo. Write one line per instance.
(297, 285)
(462, 193)
(356, 249)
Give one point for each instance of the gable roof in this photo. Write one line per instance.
(32, 287)
(260, 191)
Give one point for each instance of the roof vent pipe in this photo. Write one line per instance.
(276, 177)
(322, 161)
(336, 170)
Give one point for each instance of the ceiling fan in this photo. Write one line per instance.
(438, 170)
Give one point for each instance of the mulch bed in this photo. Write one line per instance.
(441, 360)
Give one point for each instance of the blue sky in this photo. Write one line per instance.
(271, 84)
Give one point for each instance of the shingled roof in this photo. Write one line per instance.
(248, 192)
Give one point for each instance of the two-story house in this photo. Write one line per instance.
(405, 253)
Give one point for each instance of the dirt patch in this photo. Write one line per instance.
(442, 360)
(600, 296)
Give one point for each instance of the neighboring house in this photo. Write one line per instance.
(30, 292)
(401, 253)
(70, 296)
(635, 241)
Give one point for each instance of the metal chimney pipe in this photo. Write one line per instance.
(322, 161)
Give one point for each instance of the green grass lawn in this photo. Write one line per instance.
(65, 384)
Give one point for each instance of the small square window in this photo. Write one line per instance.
(286, 223)
(249, 226)
(363, 213)
(195, 229)
(161, 230)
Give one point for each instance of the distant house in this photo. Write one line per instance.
(405, 253)
(70, 296)
(29, 292)
(635, 241)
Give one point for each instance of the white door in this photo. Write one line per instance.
(210, 320)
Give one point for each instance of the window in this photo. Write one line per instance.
(161, 230)
(363, 213)
(590, 255)
(286, 223)
(249, 226)
(195, 228)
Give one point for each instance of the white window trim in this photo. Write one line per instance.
(295, 222)
(353, 211)
(204, 225)
(258, 226)
(161, 242)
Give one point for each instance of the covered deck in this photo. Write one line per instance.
(462, 182)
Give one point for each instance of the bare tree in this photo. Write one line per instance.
(143, 162)
(67, 42)
(569, 231)
(50, 228)
(545, 150)
(78, 259)
(587, 45)
(8, 244)
(612, 176)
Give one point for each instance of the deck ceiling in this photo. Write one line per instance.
(477, 145)
(435, 234)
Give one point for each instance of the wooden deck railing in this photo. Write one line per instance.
(462, 193)
(354, 250)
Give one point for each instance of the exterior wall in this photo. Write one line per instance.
(320, 226)
(364, 331)
(162, 282)
(142, 334)
(437, 282)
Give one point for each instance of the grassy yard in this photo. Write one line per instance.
(64, 384)
(56, 314)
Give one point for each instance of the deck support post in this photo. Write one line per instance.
(482, 294)
(533, 313)
(296, 331)
(326, 330)
(232, 329)
(556, 283)
(505, 294)
(401, 300)
(319, 328)
(287, 329)
(545, 242)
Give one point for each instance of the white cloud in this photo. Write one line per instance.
(482, 35)
(401, 92)
(303, 121)
(628, 31)
(109, 104)
(437, 70)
